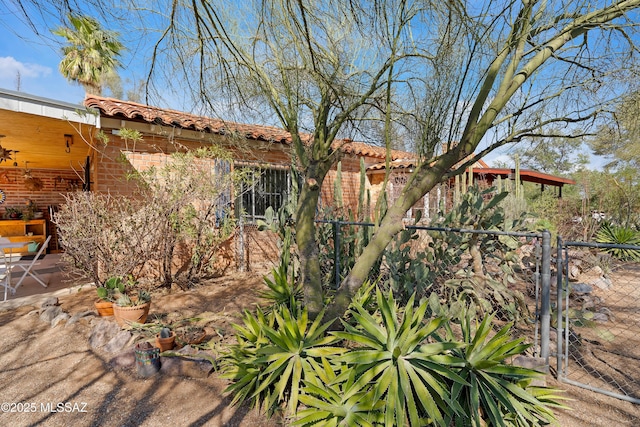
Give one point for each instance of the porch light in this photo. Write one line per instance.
(68, 141)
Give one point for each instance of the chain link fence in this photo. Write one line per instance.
(599, 319)
(499, 272)
(592, 326)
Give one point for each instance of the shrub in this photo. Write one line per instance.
(392, 356)
(275, 353)
(611, 234)
(104, 236)
(493, 392)
(181, 204)
(396, 366)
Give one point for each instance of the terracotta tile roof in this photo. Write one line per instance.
(395, 164)
(117, 108)
(408, 163)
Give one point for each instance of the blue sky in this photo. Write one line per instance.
(35, 60)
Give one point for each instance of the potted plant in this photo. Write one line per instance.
(107, 294)
(165, 340)
(132, 304)
(12, 213)
(31, 211)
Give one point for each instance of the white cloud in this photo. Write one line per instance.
(10, 68)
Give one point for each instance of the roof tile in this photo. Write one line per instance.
(155, 115)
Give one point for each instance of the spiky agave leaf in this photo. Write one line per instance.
(496, 392)
(392, 354)
(273, 358)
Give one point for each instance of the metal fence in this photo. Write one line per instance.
(598, 320)
(501, 272)
(576, 304)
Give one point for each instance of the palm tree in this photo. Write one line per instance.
(91, 54)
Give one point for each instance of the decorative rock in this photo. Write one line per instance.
(118, 342)
(596, 270)
(535, 363)
(603, 283)
(187, 350)
(50, 302)
(606, 312)
(76, 317)
(581, 288)
(587, 302)
(103, 332)
(574, 272)
(600, 317)
(59, 318)
(49, 313)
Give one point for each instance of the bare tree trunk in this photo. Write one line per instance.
(311, 276)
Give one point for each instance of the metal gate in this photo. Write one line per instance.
(598, 320)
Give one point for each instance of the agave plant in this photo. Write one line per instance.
(333, 397)
(274, 355)
(282, 290)
(494, 392)
(239, 362)
(410, 375)
(619, 236)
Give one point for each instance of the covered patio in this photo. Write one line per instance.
(30, 292)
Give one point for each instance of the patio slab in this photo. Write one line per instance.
(31, 292)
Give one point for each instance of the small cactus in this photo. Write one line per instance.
(124, 301)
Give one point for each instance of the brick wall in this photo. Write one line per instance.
(109, 168)
(55, 184)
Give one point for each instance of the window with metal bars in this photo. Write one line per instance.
(270, 188)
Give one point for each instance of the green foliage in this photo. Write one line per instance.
(493, 392)
(391, 353)
(111, 287)
(352, 238)
(396, 366)
(283, 291)
(334, 397)
(125, 293)
(466, 267)
(610, 234)
(91, 53)
(410, 271)
(274, 355)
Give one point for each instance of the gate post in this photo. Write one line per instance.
(241, 249)
(545, 306)
(559, 308)
(336, 253)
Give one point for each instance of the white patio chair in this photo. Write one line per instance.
(27, 263)
(4, 281)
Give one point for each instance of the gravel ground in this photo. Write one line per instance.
(51, 376)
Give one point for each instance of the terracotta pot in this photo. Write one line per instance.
(127, 315)
(105, 308)
(165, 344)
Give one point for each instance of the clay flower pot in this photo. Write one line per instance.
(166, 343)
(134, 314)
(105, 308)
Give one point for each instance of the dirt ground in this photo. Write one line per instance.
(52, 377)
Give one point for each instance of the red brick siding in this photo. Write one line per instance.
(55, 184)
